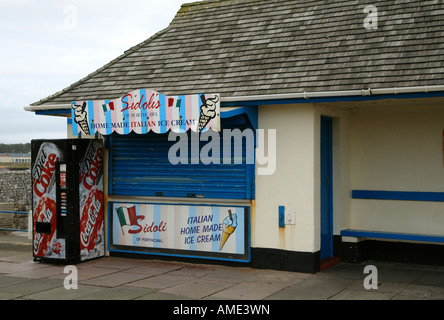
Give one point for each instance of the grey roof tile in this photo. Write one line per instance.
(251, 47)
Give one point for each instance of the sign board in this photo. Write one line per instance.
(219, 232)
(143, 110)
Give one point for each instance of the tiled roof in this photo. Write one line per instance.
(252, 47)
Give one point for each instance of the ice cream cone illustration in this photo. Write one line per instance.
(229, 226)
(81, 117)
(208, 111)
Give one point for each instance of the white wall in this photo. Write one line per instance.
(398, 149)
(296, 182)
(292, 185)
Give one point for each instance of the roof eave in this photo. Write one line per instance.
(229, 101)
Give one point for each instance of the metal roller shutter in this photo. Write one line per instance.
(139, 166)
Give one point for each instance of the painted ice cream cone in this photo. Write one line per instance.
(84, 125)
(81, 116)
(227, 231)
(229, 226)
(203, 121)
(208, 111)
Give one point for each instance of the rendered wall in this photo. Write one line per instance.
(292, 185)
(296, 182)
(398, 149)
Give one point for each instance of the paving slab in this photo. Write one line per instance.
(60, 293)
(117, 293)
(194, 270)
(312, 288)
(383, 286)
(15, 256)
(344, 271)
(114, 279)
(7, 267)
(349, 294)
(156, 295)
(6, 280)
(113, 263)
(32, 286)
(153, 268)
(160, 281)
(44, 272)
(430, 278)
(251, 290)
(92, 272)
(197, 288)
(422, 291)
(233, 275)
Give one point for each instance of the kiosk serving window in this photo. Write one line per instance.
(140, 166)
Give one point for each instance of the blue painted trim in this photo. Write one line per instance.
(18, 212)
(326, 192)
(398, 195)
(68, 120)
(8, 229)
(392, 235)
(250, 111)
(52, 112)
(109, 141)
(181, 255)
(334, 99)
(108, 233)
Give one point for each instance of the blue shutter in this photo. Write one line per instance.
(139, 166)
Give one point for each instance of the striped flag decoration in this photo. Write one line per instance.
(127, 216)
(108, 106)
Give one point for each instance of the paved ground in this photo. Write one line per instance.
(113, 278)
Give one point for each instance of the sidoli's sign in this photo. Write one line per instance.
(216, 231)
(143, 110)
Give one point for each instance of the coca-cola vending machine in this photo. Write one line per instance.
(67, 200)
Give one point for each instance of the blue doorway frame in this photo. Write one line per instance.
(326, 188)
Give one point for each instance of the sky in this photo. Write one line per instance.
(48, 45)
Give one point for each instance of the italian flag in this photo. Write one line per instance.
(127, 216)
(108, 106)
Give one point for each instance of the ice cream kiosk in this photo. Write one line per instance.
(167, 194)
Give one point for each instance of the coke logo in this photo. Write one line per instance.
(93, 213)
(57, 247)
(94, 168)
(44, 171)
(38, 238)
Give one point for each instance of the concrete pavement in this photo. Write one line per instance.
(113, 278)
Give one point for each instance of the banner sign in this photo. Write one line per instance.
(143, 110)
(211, 231)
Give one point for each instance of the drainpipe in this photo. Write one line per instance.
(325, 94)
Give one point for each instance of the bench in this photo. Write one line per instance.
(392, 235)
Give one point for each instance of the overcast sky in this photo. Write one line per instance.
(49, 44)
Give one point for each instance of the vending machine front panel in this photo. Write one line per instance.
(46, 241)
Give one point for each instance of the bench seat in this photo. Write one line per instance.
(392, 235)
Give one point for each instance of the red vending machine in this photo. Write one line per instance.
(67, 200)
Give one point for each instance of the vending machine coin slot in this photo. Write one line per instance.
(62, 198)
